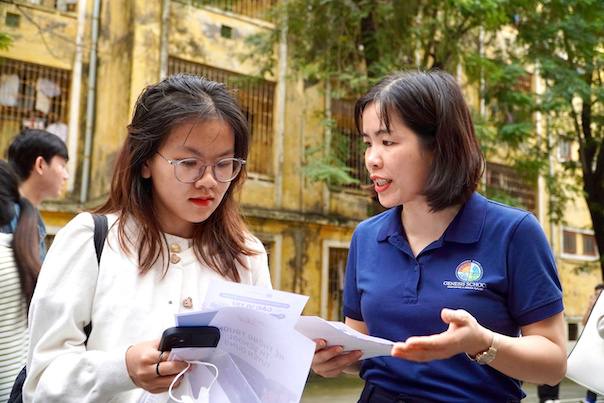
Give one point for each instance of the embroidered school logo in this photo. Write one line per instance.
(469, 270)
(468, 273)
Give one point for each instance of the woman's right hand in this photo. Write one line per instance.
(142, 364)
(330, 362)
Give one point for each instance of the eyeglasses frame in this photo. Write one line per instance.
(175, 163)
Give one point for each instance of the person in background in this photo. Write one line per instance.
(591, 397)
(39, 158)
(453, 277)
(547, 393)
(19, 267)
(174, 225)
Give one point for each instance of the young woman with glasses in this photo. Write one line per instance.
(173, 226)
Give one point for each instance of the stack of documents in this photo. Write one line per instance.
(260, 356)
(338, 334)
(265, 349)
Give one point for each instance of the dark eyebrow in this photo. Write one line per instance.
(192, 150)
(380, 132)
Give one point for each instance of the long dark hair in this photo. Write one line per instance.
(432, 105)
(181, 98)
(26, 239)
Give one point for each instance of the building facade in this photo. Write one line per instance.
(77, 66)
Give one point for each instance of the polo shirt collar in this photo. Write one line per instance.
(392, 224)
(466, 227)
(468, 224)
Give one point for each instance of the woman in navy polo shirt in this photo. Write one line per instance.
(454, 278)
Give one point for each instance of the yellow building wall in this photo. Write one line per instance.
(300, 214)
(113, 104)
(44, 36)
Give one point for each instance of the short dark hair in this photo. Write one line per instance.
(31, 144)
(600, 287)
(431, 104)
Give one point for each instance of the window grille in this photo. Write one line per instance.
(579, 244)
(569, 241)
(62, 5)
(564, 151)
(31, 96)
(524, 83)
(337, 267)
(347, 144)
(250, 8)
(512, 183)
(256, 99)
(589, 245)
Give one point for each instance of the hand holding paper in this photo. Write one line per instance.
(338, 334)
(260, 356)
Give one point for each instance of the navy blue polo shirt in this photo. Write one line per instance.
(493, 260)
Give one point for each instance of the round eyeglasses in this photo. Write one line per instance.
(190, 170)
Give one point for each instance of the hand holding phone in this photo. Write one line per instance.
(189, 336)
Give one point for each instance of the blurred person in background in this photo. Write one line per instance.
(39, 159)
(19, 267)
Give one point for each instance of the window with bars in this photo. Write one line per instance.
(250, 8)
(569, 242)
(507, 181)
(337, 267)
(524, 83)
(564, 151)
(346, 143)
(32, 96)
(589, 245)
(579, 244)
(62, 5)
(256, 98)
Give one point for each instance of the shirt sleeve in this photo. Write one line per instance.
(59, 367)
(535, 290)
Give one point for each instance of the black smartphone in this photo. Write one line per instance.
(189, 336)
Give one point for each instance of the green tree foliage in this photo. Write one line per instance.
(5, 41)
(351, 43)
(566, 39)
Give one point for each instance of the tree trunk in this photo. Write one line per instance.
(368, 40)
(593, 180)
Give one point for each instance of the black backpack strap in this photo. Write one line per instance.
(16, 394)
(100, 234)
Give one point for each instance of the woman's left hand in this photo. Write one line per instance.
(464, 334)
(149, 369)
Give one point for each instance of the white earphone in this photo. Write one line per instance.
(204, 393)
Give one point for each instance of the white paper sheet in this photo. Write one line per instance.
(260, 356)
(339, 334)
(274, 360)
(285, 306)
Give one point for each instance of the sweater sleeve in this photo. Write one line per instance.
(59, 366)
